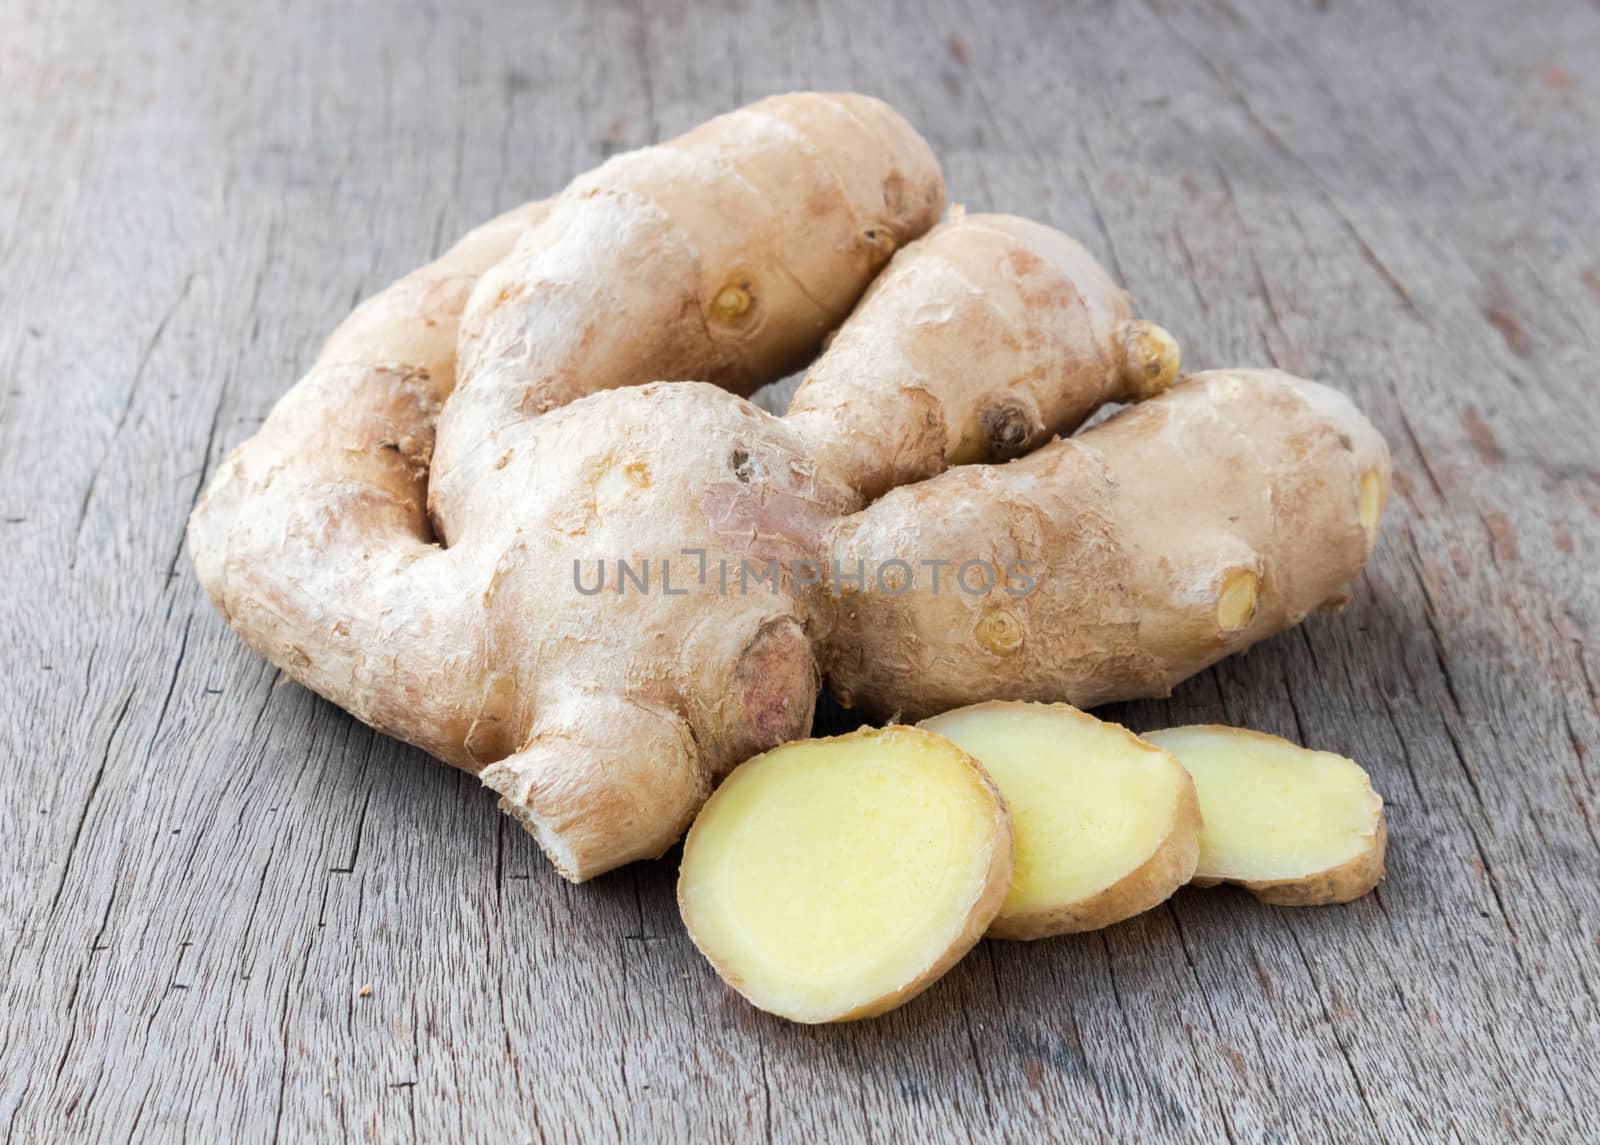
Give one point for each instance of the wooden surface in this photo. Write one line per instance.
(202, 868)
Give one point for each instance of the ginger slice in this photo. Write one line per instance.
(1292, 826)
(835, 879)
(1106, 824)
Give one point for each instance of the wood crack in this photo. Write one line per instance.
(134, 387)
(88, 803)
(1338, 1037)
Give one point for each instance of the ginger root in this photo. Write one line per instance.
(1106, 824)
(1112, 565)
(1294, 827)
(835, 879)
(978, 343)
(724, 256)
(474, 528)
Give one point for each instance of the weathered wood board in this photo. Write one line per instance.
(202, 867)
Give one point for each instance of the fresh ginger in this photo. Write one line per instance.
(429, 584)
(1106, 824)
(1118, 562)
(836, 879)
(978, 343)
(1292, 826)
(724, 256)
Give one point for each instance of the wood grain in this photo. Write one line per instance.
(203, 868)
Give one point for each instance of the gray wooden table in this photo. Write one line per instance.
(229, 912)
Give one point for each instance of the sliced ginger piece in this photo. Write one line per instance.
(1106, 824)
(835, 879)
(1292, 826)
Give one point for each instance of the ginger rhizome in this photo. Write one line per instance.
(979, 343)
(401, 534)
(1106, 824)
(1185, 528)
(1292, 826)
(838, 878)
